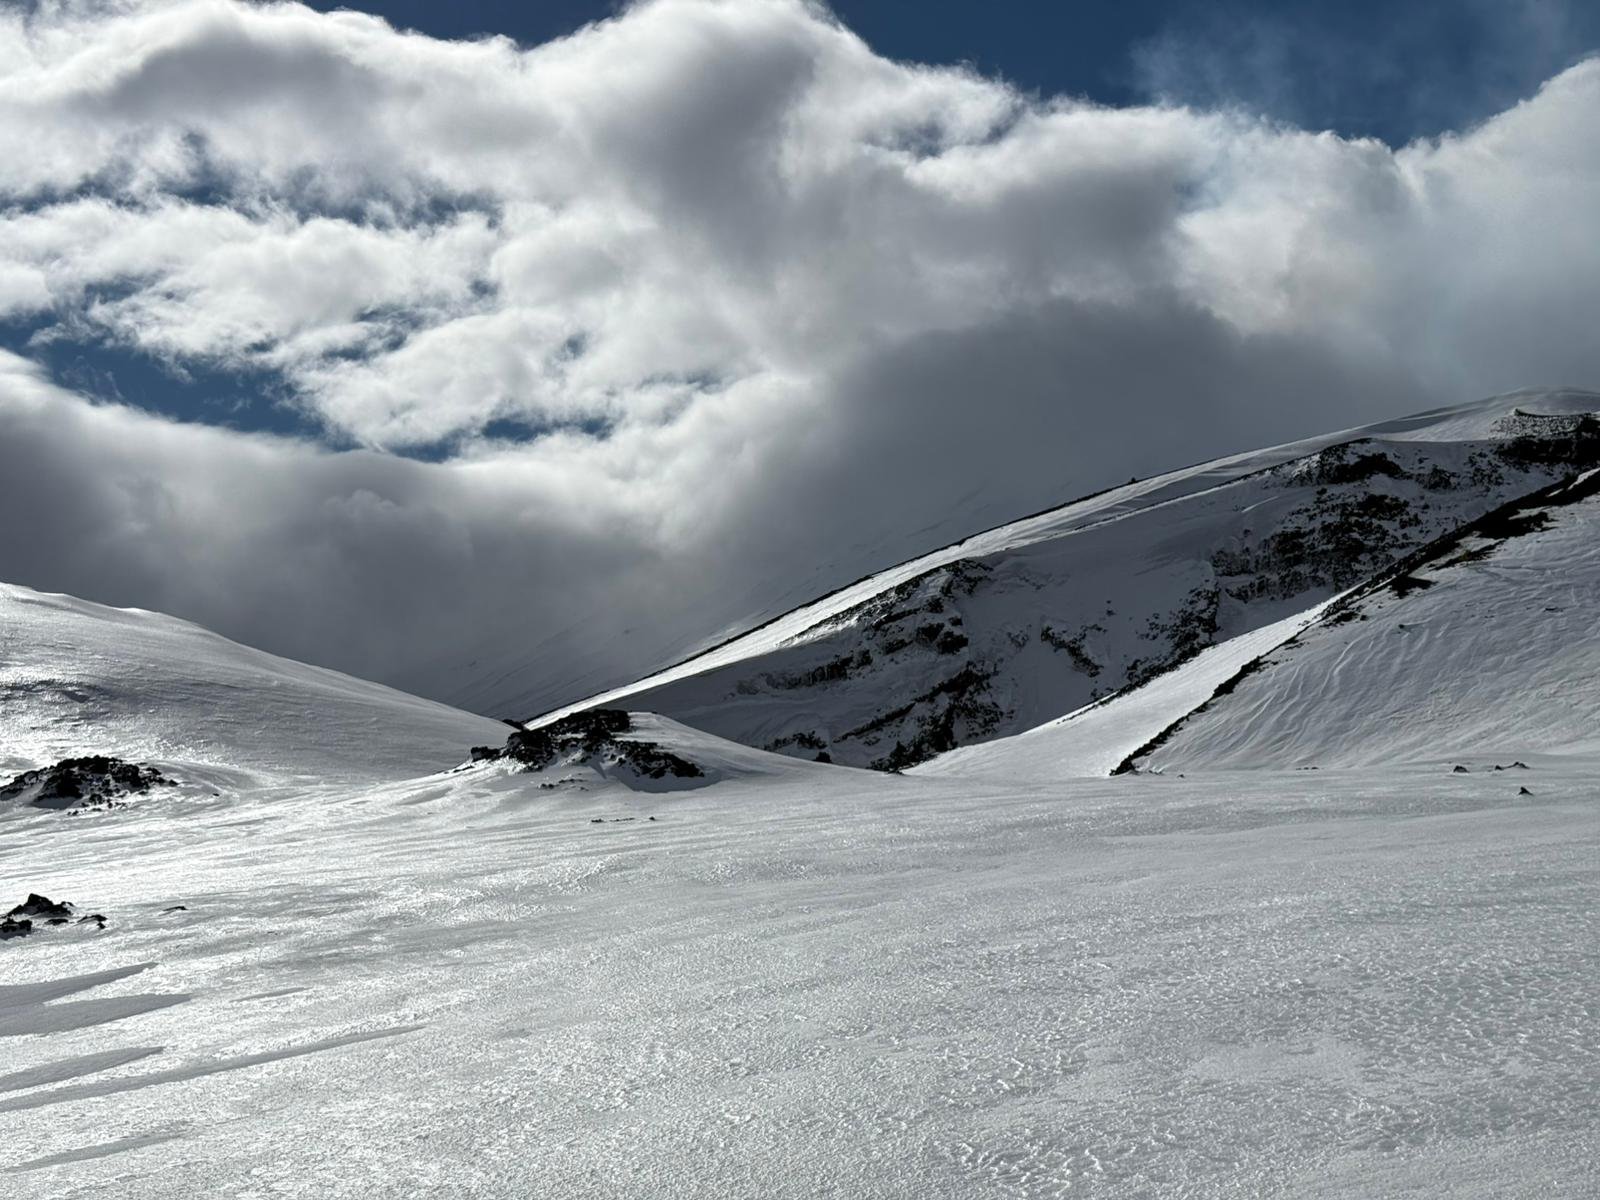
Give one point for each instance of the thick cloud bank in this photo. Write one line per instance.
(703, 307)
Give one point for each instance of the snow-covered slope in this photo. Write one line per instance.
(1033, 620)
(1098, 738)
(79, 678)
(1481, 648)
(1486, 651)
(813, 981)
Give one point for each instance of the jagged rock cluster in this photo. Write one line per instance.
(589, 737)
(79, 784)
(37, 911)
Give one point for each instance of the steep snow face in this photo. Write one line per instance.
(1023, 624)
(78, 678)
(1482, 654)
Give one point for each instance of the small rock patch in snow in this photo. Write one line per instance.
(594, 738)
(74, 785)
(23, 919)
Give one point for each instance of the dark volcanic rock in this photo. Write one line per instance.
(38, 910)
(652, 761)
(40, 906)
(1351, 462)
(93, 782)
(1557, 439)
(593, 736)
(806, 740)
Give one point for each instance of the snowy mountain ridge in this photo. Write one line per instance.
(1016, 627)
(508, 681)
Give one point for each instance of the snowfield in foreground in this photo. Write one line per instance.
(806, 981)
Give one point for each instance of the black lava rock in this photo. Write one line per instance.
(41, 906)
(93, 781)
(587, 735)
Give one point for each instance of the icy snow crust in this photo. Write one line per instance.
(1022, 625)
(809, 980)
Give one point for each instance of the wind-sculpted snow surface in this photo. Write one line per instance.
(1037, 619)
(808, 980)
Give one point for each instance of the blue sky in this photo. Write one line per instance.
(1394, 69)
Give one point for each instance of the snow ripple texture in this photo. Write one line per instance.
(816, 982)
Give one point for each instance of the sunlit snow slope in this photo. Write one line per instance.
(79, 678)
(1013, 628)
(1489, 647)
(809, 981)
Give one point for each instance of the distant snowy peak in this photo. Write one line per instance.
(1012, 628)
